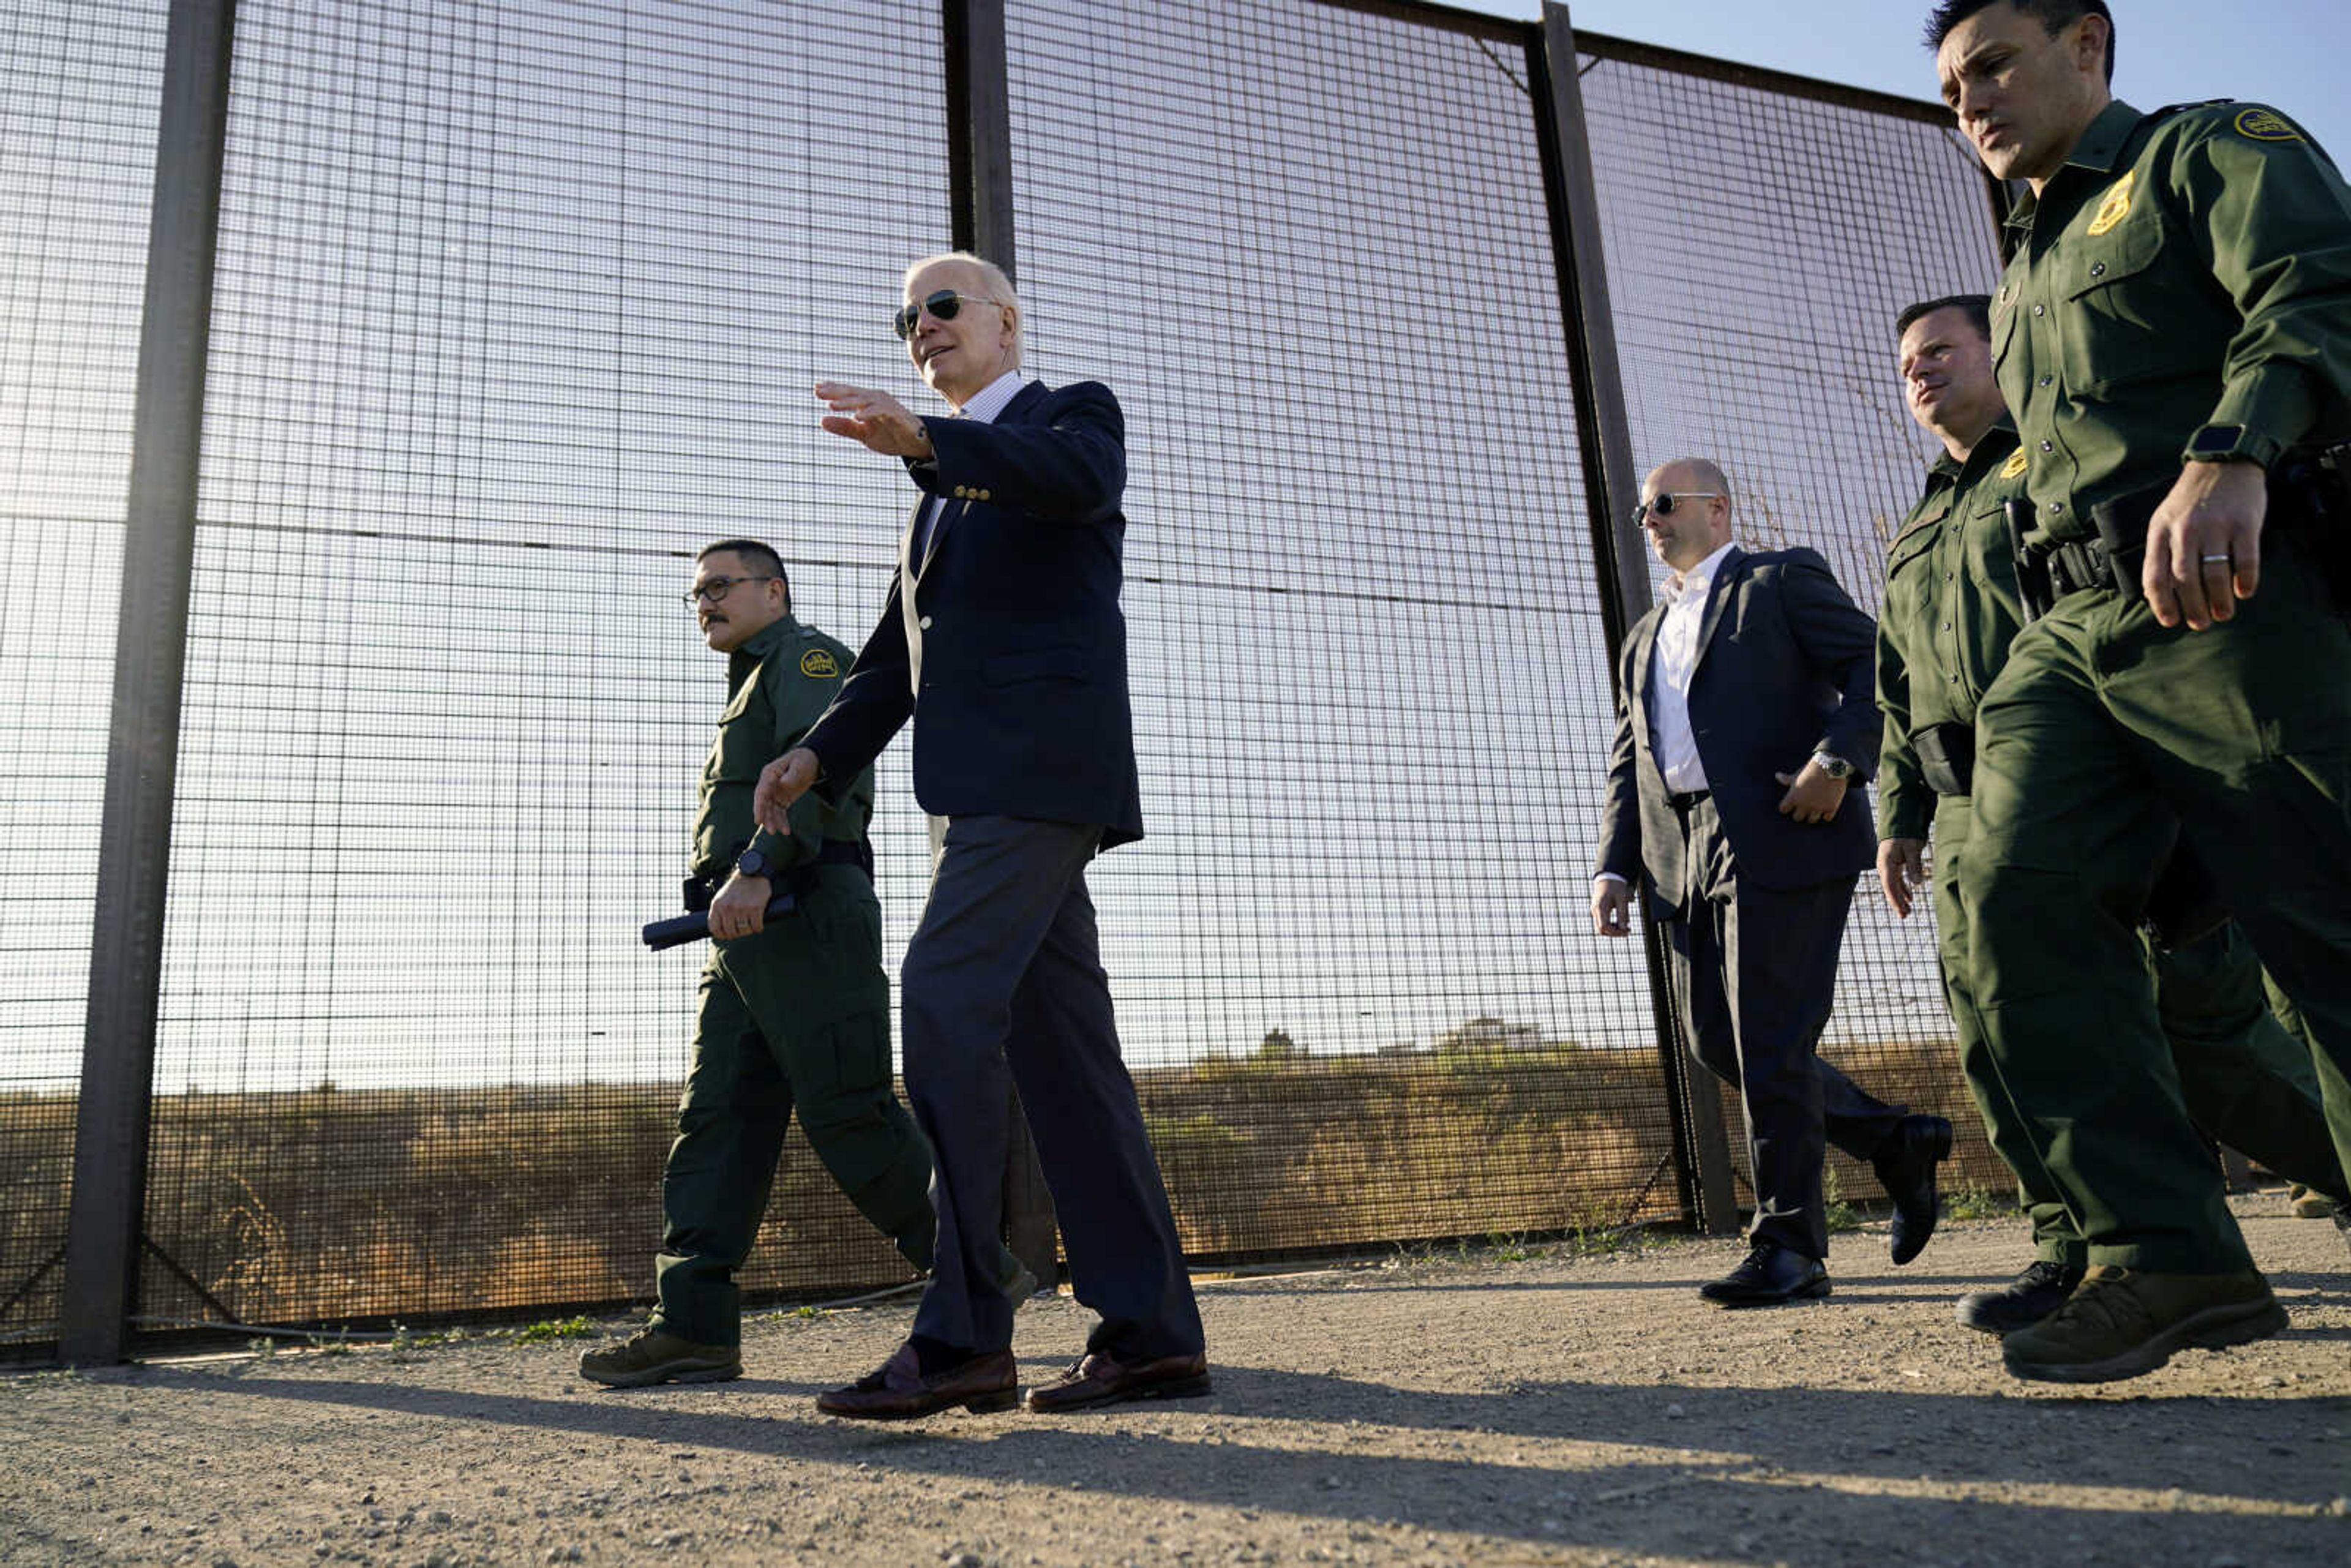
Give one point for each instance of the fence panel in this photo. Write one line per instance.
(77, 180)
(517, 306)
(1309, 247)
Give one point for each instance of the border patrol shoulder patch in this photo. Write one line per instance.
(819, 664)
(2266, 125)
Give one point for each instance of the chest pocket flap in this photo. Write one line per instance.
(2122, 321)
(1916, 542)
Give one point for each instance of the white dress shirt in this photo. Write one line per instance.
(1675, 659)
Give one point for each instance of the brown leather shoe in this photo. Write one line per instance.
(899, 1392)
(1099, 1380)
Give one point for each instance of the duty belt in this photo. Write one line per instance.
(2309, 502)
(2079, 564)
(700, 890)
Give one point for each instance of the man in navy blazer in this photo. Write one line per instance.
(1746, 707)
(1002, 643)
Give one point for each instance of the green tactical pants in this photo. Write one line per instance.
(796, 1017)
(2101, 731)
(2244, 1079)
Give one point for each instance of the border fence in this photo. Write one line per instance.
(374, 369)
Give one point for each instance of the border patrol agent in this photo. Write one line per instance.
(2173, 337)
(794, 1012)
(1952, 607)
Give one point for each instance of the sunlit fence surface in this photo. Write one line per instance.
(516, 305)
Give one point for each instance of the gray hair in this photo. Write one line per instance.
(999, 289)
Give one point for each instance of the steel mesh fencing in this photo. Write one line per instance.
(516, 306)
(76, 176)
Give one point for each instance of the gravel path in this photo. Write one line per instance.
(1478, 1407)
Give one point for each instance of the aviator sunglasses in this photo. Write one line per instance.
(945, 304)
(1664, 501)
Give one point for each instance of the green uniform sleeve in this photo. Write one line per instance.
(801, 684)
(2273, 217)
(1906, 805)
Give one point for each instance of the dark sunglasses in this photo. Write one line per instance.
(945, 304)
(1662, 504)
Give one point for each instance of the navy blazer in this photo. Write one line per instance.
(1785, 668)
(1005, 645)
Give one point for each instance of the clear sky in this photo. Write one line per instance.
(2285, 53)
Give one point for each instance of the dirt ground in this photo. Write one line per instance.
(1482, 1407)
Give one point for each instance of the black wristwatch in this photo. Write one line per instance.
(751, 862)
(1833, 764)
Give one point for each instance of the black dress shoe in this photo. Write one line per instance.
(1772, 1274)
(2031, 1296)
(1905, 1164)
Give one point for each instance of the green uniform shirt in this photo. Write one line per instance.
(2184, 281)
(779, 682)
(1951, 610)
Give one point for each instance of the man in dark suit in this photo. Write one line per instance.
(1002, 642)
(1745, 710)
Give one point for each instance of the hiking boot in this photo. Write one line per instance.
(2305, 1204)
(655, 1356)
(2121, 1322)
(2031, 1296)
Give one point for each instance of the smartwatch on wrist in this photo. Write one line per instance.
(751, 862)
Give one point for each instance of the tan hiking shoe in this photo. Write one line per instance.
(2305, 1204)
(2121, 1322)
(654, 1356)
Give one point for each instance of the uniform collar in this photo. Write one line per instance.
(2099, 151)
(1996, 445)
(2101, 146)
(765, 641)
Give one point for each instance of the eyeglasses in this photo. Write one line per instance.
(945, 304)
(1662, 504)
(715, 588)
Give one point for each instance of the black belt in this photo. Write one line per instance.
(2079, 564)
(700, 890)
(1683, 803)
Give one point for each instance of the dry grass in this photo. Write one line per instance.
(326, 1206)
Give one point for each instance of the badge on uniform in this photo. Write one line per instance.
(2015, 466)
(820, 663)
(2266, 125)
(2116, 206)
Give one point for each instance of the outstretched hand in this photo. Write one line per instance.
(874, 419)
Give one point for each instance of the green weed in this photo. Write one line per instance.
(555, 1328)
